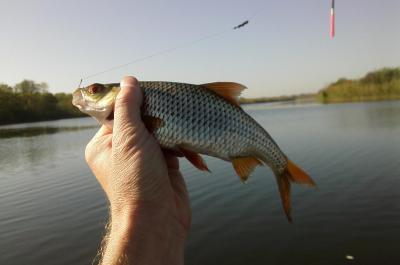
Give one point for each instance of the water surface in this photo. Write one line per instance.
(52, 210)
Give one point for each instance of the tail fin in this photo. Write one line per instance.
(292, 173)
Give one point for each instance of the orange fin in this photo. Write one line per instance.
(284, 190)
(297, 175)
(173, 152)
(152, 123)
(244, 166)
(228, 90)
(292, 173)
(195, 159)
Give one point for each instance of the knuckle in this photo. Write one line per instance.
(122, 105)
(129, 147)
(89, 153)
(121, 102)
(129, 134)
(91, 150)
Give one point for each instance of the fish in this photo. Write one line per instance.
(204, 119)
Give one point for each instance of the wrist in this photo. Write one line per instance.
(149, 214)
(148, 236)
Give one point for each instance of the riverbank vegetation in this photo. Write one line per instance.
(29, 101)
(296, 98)
(383, 84)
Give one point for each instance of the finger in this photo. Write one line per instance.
(171, 160)
(127, 105)
(175, 176)
(178, 184)
(102, 138)
(98, 143)
(104, 130)
(172, 152)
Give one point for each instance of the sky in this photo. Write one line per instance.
(285, 49)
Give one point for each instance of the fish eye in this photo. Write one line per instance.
(95, 88)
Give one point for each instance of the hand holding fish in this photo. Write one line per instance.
(147, 193)
(190, 120)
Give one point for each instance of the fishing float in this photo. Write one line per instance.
(332, 24)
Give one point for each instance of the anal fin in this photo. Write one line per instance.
(244, 166)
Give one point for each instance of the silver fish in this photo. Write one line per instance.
(201, 119)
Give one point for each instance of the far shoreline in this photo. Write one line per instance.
(316, 100)
(297, 100)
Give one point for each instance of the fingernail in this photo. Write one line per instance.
(127, 81)
(124, 85)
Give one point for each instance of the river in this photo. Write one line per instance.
(52, 210)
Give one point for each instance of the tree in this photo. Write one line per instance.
(30, 87)
(5, 87)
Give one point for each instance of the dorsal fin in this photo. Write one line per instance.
(228, 90)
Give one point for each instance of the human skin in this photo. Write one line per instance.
(149, 206)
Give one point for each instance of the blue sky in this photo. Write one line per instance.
(285, 49)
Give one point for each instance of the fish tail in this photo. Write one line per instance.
(292, 173)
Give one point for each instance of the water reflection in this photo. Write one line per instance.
(372, 115)
(50, 203)
(34, 131)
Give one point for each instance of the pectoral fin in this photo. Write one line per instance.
(152, 123)
(195, 159)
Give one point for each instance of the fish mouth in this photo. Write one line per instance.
(89, 107)
(78, 100)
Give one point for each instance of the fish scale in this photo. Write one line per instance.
(197, 113)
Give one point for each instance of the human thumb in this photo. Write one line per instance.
(127, 106)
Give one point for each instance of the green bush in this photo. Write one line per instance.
(376, 85)
(29, 101)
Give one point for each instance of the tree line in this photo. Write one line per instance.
(29, 101)
(377, 85)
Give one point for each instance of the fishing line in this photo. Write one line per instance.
(161, 52)
(256, 13)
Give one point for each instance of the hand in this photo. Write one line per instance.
(149, 205)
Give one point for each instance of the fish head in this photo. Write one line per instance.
(97, 100)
